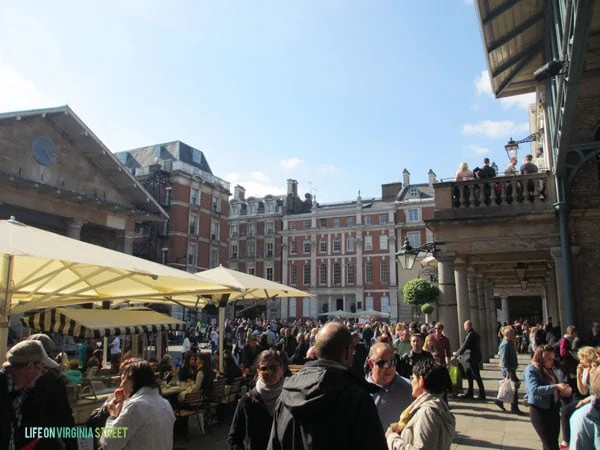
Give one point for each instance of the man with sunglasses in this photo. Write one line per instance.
(395, 393)
(25, 363)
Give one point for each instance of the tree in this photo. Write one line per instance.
(419, 291)
(427, 308)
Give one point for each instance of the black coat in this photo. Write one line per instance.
(251, 425)
(326, 406)
(405, 364)
(473, 343)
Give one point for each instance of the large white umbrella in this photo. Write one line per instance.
(39, 269)
(373, 313)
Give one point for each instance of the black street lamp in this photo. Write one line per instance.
(512, 147)
(407, 255)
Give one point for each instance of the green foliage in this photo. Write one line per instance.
(419, 291)
(427, 308)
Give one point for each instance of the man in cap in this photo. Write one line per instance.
(25, 363)
(51, 401)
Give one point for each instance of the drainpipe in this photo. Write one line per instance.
(567, 292)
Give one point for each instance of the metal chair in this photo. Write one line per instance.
(191, 406)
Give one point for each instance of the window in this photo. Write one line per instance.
(193, 224)
(323, 273)
(269, 250)
(369, 303)
(234, 252)
(191, 257)
(414, 238)
(351, 271)
(216, 204)
(385, 304)
(369, 272)
(306, 274)
(292, 304)
(234, 230)
(413, 215)
(251, 229)
(337, 274)
(251, 251)
(368, 220)
(336, 222)
(293, 247)
(214, 230)
(383, 218)
(306, 224)
(323, 246)
(337, 245)
(368, 242)
(293, 274)
(350, 244)
(383, 242)
(293, 226)
(269, 229)
(194, 196)
(269, 273)
(323, 223)
(251, 271)
(306, 247)
(214, 257)
(350, 221)
(385, 271)
(414, 192)
(306, 307)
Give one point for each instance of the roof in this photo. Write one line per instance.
(513, 34)
(175, 151)
(81, 137)
(425, 191)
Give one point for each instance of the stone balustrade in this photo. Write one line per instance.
(508, 195)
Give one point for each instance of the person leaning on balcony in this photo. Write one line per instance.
(486, 171)
(511, 169)
(528, 166)
(463, 173)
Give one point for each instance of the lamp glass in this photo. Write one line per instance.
(406, 259)
(512, 148)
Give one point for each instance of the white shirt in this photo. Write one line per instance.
(214, 336)
(149, 420)
(187, 345)
(115, 346)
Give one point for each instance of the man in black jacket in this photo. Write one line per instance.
(325, 405)
(473, 343)
(410, 358)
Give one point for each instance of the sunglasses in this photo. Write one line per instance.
(383, 363)
(271, 368)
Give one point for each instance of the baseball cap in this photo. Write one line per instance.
(28, 351)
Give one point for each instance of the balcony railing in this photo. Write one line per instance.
(496, 196)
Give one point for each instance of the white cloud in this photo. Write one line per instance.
(291, 163)
(233, 177)
(496, 129)
(474, 149)
(18, 93)
(483, 86)
(328, 169)
(260, 176)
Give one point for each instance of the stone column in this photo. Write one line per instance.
(564, 304)
(448, 313)
(482, 330)
(505, 313)
(128, 237)
(462, 293)
(473, 307)
(492, 319)
(74, 228)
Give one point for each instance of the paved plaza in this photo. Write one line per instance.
(479, 425)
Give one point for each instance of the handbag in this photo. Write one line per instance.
(506, 390)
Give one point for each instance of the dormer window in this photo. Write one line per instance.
(414, 192)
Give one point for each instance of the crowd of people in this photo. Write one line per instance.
(368, 386)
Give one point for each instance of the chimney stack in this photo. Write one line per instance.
(405, 178)
(292, 187)
(239, 192)
(432, 177)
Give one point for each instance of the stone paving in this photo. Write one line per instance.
(479, 425)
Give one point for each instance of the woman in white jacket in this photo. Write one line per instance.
(144, 419)
(427, 423)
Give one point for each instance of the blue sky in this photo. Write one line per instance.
(341, 95)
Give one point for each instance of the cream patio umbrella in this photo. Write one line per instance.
(245, 286)
(39, 269)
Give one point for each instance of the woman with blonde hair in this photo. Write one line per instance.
(588, 363)
(463, 173)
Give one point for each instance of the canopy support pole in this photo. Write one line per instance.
(6, 267)
(134, 345)
(221, 329)
(104, 352)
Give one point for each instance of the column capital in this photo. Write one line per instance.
(445, 257)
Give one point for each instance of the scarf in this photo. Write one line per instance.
(269, 395)
(409, 412)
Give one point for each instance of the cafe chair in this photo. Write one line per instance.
(191, 406)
